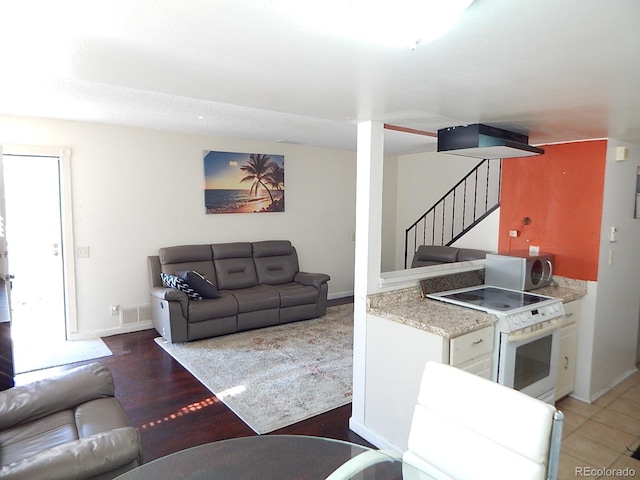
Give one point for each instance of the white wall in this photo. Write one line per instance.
(422, 180)
(135, 190)
(618, 293)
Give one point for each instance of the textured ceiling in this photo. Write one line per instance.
(559, 71)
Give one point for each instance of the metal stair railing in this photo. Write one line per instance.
(465, 205)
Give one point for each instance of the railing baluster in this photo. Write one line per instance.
(442, 203)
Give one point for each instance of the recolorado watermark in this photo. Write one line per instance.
(626, 472)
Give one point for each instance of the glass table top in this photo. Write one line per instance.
(277, 457)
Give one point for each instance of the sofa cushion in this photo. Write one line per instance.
(203, 286)
(270, 248)
(24, 441)
(185, 253)
(292, 294)
(276, 262)
(178, 283)
(225, 305)
(260, 297)
(186, 258)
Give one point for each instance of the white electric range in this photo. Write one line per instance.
(527, 334)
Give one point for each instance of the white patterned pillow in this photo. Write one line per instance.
(172, 281)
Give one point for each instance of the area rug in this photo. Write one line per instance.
(28, 357)
(277, 376)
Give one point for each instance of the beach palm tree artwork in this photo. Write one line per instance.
(243, 182)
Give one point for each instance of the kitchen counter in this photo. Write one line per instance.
(565, 288)
(407, 307)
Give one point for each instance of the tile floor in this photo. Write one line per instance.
(602, 435)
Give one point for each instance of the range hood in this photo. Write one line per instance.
(482, 141)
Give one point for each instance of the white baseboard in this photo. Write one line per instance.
(111, 331)
(372, 437)
(333, 296)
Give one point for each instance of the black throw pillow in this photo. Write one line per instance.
(173, 281)
(196, 280)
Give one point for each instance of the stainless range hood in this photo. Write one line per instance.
(482, 141)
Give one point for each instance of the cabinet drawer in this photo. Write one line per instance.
(470, 345)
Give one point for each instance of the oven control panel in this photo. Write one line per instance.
(532, 317)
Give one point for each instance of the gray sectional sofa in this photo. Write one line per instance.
(201, 291)
(428, 255)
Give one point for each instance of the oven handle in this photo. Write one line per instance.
(518, 337)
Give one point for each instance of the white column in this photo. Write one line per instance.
(368, 254)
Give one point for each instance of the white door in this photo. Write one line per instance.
(6, 347)
(34, 239)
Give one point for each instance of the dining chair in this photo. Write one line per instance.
(468, 427)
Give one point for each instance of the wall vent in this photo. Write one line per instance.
(136, 314)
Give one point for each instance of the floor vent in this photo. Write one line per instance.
(136, 314)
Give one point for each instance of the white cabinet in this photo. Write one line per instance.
(568, 350)
(473, 352)
(395, 357)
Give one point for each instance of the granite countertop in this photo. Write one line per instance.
(408, 307)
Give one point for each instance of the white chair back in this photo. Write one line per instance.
(467, 427)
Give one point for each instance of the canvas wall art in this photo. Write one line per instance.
(243, 182)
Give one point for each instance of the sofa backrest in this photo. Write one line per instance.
(427, 255)
(433, 255)
(276, 261)
(234, 265)
(188, 257)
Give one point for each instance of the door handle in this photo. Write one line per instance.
(9, 277)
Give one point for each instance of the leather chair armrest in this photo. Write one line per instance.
(65, 391)
(169, 294)
(311, 279)
(172, 295)
(80, 459)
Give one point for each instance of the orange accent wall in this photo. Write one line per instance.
(562, 192)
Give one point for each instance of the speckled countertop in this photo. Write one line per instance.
(407, 306)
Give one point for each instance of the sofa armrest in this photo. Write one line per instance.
(62, 392)
(80, 459)
(311, 279)
(172, 295)
(169, 294)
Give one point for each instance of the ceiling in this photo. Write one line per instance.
(557, 70)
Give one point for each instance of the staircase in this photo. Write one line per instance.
(470, 201)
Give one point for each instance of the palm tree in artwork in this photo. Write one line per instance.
(275, 178)
(258, 168)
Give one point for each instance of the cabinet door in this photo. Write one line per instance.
(567, 360)
(480, 366)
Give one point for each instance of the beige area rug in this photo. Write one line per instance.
(277, 376)
(30, 356)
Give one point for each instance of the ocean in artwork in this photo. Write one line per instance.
(238, 200)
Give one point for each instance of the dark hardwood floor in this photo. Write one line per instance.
(173, 411)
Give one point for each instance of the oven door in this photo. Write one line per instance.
(528, 361)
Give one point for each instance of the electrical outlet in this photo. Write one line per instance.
(115, 310)
(82, 252)
(513, 233)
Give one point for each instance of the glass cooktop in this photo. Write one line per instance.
(491, 299)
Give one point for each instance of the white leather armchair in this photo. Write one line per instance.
(467, 427)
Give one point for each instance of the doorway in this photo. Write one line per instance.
(34, 242)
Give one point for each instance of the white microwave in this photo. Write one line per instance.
(519, 270)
